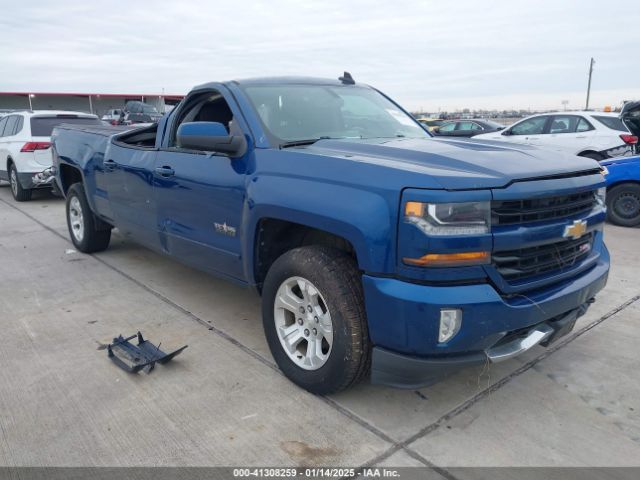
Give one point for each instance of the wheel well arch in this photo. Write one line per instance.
(622, 182)
(274, 237)
(68, 176)
(9, 163)
(584, 153)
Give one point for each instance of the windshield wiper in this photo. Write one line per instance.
(300, 143)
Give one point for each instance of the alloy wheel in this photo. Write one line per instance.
(14, 181)
(76, 219)
(303, 323)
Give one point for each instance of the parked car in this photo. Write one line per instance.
(140, 112)
(113, 116)
(467, 128)
(25, 146)
(431, 123)
(623, 190)
(630, 115)
(596, 135)
(374, 246)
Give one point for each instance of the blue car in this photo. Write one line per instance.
(623, 190)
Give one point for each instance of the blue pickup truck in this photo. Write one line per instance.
(378, 250)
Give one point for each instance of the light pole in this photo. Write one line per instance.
(593, 62)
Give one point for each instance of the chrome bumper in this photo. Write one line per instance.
(535, 336)
(406, 371)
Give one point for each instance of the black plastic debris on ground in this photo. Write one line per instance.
(143, 356)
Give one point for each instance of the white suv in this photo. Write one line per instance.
(25, 147)
(595, 135)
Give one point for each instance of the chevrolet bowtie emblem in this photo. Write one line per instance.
(577, 229)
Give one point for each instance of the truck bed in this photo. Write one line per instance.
(81, 145)
(104, 130)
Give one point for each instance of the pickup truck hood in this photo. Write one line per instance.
(457, 165)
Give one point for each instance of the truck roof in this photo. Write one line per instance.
(290, 80)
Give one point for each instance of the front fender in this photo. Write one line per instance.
(623, 170)
(364, 218)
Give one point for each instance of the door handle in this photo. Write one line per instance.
(165, 171)
(109, 165)
(581, 136)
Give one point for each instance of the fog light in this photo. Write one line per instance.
(601, 196)
(450, 322)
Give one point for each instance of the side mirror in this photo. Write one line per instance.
(210, 137)
(506, 132)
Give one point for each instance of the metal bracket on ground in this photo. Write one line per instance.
(143, 356)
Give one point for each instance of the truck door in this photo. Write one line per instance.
(200, 195)
(127, 176)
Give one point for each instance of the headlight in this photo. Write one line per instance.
(468, 218)
(601, 196)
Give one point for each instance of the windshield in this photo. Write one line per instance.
(292, 113)
(149, 109)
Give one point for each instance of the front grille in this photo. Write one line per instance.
(521, 264)
(510, 212)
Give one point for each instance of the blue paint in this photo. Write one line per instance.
(214, 129)
(622, 169)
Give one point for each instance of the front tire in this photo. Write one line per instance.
(314, 319)
(19, 194)
(88, 234)
(623, 205)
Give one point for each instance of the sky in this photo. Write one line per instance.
(428, 55)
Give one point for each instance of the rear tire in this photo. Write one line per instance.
(87, 233)
(19, 194)
(314, 319)
(623, 205)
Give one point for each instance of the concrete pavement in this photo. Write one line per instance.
(223, 402)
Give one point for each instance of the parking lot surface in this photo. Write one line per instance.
(223, 401)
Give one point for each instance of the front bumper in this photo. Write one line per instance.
(403, 371)
(403, 322)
